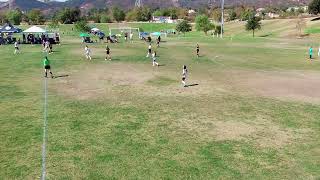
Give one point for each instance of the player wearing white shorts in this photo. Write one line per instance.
(16, 48)
(154, 60)
(131, 37)
(87, 53)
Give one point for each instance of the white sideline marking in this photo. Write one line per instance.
(44, 140)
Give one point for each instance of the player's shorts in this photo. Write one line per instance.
(149, 50)
(47, 67)
(17, 48)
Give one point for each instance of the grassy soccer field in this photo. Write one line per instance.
(255, 113)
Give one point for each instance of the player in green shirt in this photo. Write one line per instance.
(47, 67)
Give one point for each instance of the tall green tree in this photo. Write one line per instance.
(82, 26)
(3, 17)
(144, 14)
(233, 15)
(253, 24)
(314, 7)
(105, 19)
(216, 15)
(69, 15)
(35, 16)
(203, 24)
(15, 16)
(183, 27)
(118, 14)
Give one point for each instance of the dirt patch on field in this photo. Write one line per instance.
(297, 86)
(231, 130)
(262, 132)
(100, 81)
(113, 79)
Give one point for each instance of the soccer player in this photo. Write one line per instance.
(198, 50)
(154, 59)
(131, 37)
(16, 47)
(126, 36)
(50, 48)
(310, 52)
(108, 57)
(87, 53)
(47, 67)
(149, 50)
(184, 75)
(158, 41)
(46, 47)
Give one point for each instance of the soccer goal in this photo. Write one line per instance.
(122, 30)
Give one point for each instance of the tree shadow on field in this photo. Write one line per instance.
(114, 59)
(266, 35)
(191, 85)
(61, 76)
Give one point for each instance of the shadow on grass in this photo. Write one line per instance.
(61, 76)
(266, 35)
(191, 85)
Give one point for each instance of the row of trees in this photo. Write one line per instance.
(115, 14)
(16, 17)
(203, 24)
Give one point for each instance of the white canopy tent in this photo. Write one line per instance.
(35, 29)
(95, 30)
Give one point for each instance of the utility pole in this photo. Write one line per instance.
(10, 4)
(222, 17)
(138, 3)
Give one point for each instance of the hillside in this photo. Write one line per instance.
(87, 4)
(184, 3)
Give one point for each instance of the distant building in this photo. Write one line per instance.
(296, 8)
(163, 19)
(273, 15)
(260, 10)
(191, 11)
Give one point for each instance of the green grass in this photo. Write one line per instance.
(312, 30)
(125, 119)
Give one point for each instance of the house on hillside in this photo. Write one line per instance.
(296, 8)
(163, 19)
(272, 15)
(260, 10)
(191, 12)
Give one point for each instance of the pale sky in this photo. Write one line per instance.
(7, 0)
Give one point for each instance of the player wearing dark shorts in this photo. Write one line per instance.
(108, 53)
(198, 50)
(50, 48)
(184, 75)
(47, 67)
(149, 50)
